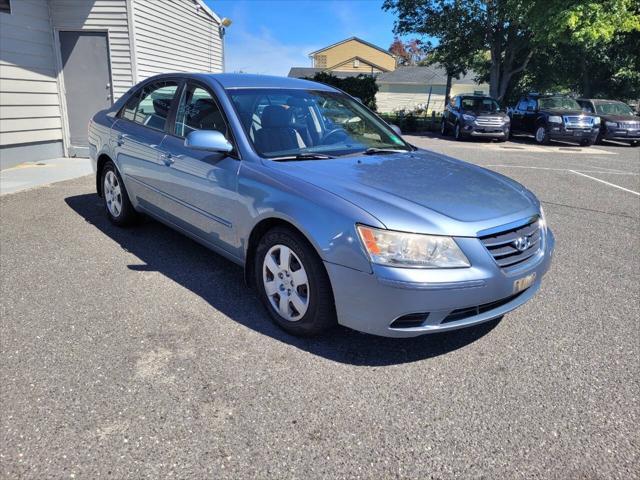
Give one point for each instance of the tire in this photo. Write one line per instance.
(116, 199)
(541, 135)
(457, 133)
(300, 304)
(443, 128)
(587, 142)
(635, 143)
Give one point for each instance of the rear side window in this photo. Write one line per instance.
(151, 106)
(522, 105)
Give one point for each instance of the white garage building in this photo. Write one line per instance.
(62, 60)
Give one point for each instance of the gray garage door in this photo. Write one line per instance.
(87, 82)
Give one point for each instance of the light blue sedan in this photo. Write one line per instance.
(334, 217)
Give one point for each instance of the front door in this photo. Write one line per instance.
(203, 185)
(87, 83)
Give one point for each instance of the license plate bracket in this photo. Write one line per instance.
(523, 283)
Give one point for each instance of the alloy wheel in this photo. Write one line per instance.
(285, 282)
(112, 193)
(540, 134)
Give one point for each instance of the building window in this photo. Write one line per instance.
(321, 61)
(356, 63)
(5, 6)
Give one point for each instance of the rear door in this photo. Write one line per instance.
(137, 136)
(202, 185)
(530, 116)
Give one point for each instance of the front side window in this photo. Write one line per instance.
(283, 122)
(198, 111)
(151, 106)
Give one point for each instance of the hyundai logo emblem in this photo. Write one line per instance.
(522, 243)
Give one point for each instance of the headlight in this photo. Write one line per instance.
(506, 120)
(543, 221)
(471, 118)
(399, 249)
(611, 124)
(555, 119)
(596, 120)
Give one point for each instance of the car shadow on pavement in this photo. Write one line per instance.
(198, 269)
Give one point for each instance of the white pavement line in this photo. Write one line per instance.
(616, 172)
(606, 183)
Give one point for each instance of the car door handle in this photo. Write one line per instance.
(120, 140)
(169, 158)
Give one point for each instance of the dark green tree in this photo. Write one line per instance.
(499, 38)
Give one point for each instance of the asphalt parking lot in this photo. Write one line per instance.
(139, 354)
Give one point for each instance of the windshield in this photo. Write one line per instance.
(479, 104)
(613, 108)
(294, 122)
(558, 103)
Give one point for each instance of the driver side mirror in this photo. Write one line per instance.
(208, 140)
(396, 129)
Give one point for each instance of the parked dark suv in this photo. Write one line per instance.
(617, 120)
(554, 117)
(475, 116)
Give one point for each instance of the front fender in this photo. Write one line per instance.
(326, 220)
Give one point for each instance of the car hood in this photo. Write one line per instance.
(420, 191)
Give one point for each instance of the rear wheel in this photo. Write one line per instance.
(293, 284)
(542, 138)
(116, 199)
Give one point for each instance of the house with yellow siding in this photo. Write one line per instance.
(400, 87)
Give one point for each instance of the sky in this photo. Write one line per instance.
(269, 37)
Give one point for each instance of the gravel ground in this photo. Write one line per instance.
(139, 354)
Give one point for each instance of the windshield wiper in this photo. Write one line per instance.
(302, 156)
(375, 151)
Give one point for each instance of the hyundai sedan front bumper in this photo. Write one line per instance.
(402, 302)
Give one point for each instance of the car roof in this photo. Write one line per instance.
(246, 80)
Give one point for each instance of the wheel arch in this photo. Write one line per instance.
(258, 231)
(102, 160)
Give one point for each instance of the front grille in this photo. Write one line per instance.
(577, 122)
(489, 121)
(464, 313)
(511, 247)
(630, 125)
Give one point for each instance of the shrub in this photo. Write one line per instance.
(363, 87)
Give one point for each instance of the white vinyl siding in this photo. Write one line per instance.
(28, 90)
(109, 15)
(175, 36)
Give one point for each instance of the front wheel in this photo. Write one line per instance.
(443, 128)
(293, 284)
(635, 143)
(587, 142)
(541, 135)
(457, 133)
